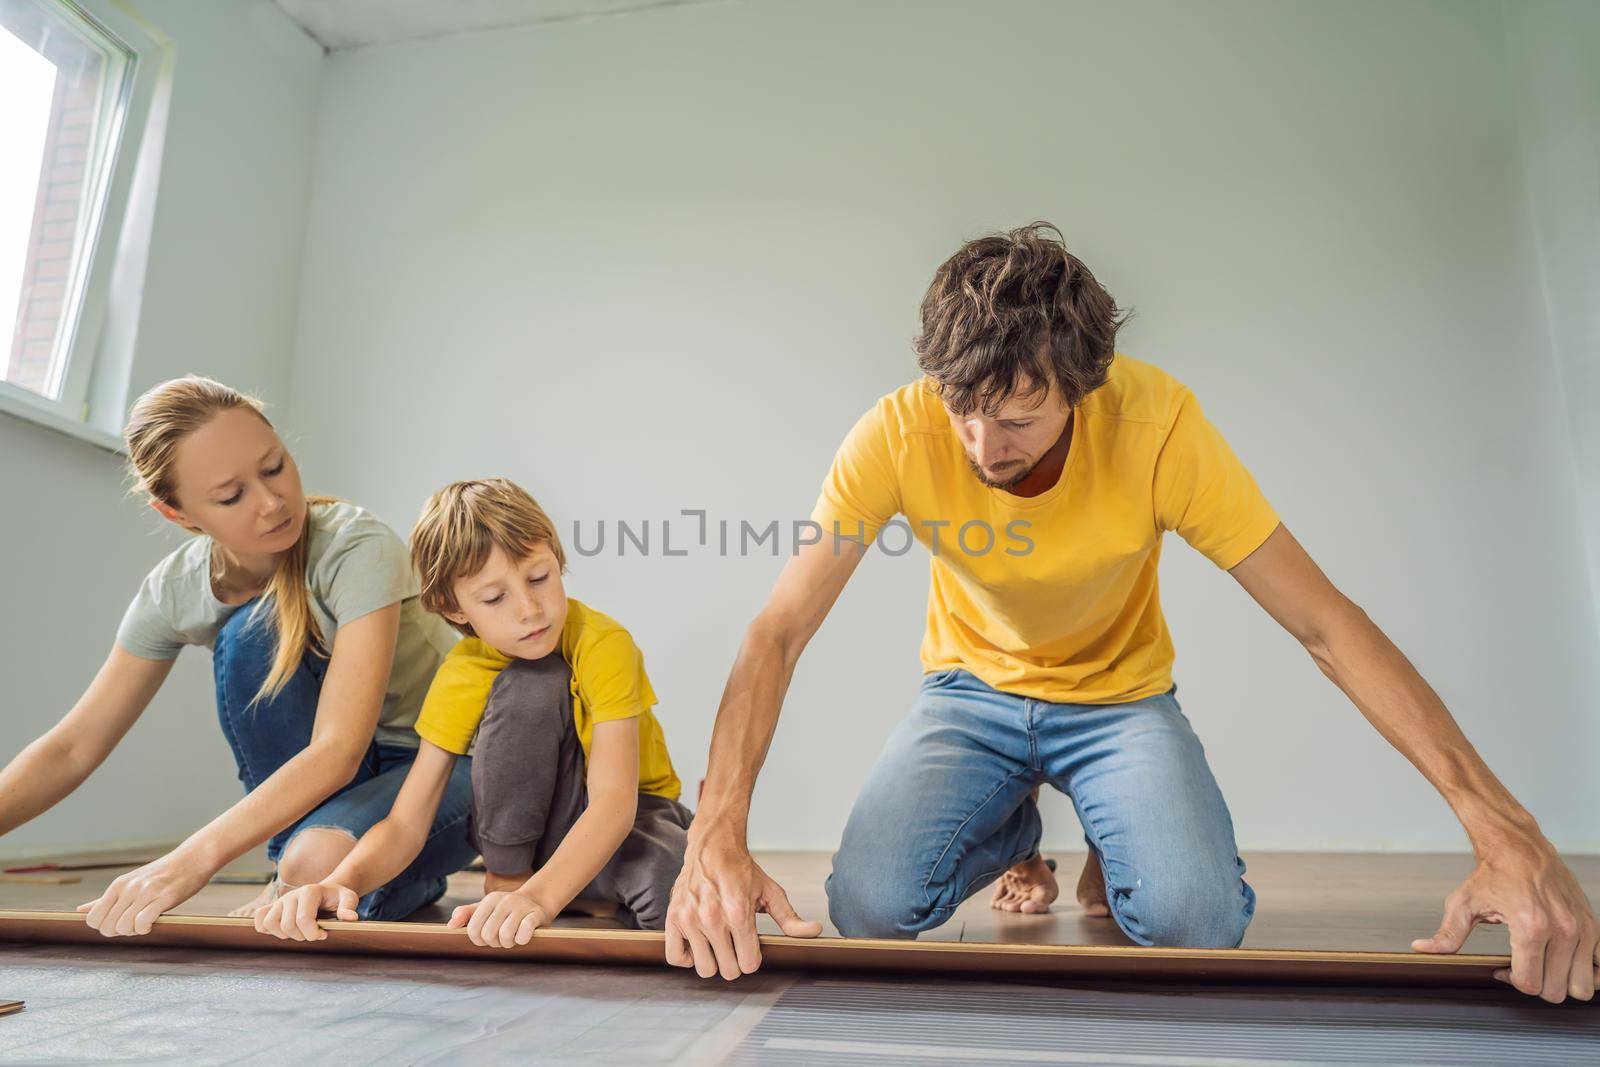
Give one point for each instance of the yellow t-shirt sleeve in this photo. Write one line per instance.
(861, 492)
(1204, 493)
(612, 681)
(457, 696)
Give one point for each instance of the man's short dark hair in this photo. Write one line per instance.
(1010, 313)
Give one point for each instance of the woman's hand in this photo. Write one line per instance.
(293, 916)
(131, 904)
(500, 920)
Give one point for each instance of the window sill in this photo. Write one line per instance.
(46, 414)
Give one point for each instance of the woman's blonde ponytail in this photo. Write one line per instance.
(290, 599)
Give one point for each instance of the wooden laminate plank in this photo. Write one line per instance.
(641, 948)
(1347, 902)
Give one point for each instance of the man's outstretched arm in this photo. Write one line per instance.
(1519, 879)
(711, 922)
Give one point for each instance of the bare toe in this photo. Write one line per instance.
(1028, 887)
(268, 894)
(1039, 899)
(1092, 890)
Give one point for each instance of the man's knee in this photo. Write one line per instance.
(1188, 911)
(312, 854)
(868, 897)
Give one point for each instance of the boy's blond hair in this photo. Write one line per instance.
(461, 525)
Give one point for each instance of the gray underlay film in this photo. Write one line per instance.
(162, 1005)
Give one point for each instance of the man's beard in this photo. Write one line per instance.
(1004, 483)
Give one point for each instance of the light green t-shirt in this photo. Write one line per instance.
(354, 565)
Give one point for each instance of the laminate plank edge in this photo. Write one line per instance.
(646, 948)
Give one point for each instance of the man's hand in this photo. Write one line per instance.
(1553, 929)
(293, 916)
(1519, 879)
(500, 920)
(711, 922)
(131, 903)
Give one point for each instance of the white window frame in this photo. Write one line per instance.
(100, 336)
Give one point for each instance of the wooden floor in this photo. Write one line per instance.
(1339, 901)
(92, 1002)
(1330, 901)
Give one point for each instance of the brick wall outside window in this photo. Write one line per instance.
(48, 269)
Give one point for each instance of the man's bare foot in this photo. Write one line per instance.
(268, 894)
(1029, 887)
(1092, 890)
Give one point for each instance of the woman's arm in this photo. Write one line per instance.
(381, 854)
(347, 715)
(58, 762)
(501, 920)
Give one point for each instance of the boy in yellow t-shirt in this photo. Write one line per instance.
(573, 793)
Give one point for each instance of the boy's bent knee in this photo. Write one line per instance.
(527, 764)
(537, 690)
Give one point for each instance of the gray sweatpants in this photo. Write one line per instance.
(528, 788)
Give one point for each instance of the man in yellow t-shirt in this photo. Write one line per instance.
(1041, 469)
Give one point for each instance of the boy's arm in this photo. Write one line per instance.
(381, 854)
(613, 781)
(389, 847)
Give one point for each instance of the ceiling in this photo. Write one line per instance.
(340, 24)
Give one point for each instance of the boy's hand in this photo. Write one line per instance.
(293, 916)
(500, 920)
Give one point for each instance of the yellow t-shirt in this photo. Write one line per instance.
(608, 682)
(1063, 606)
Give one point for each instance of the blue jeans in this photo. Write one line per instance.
(946, 810)
(266, 735)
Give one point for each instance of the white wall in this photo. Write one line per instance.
(1555, 53)
(662, 261)
(220, 298)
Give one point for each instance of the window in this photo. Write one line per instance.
(78, 98)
